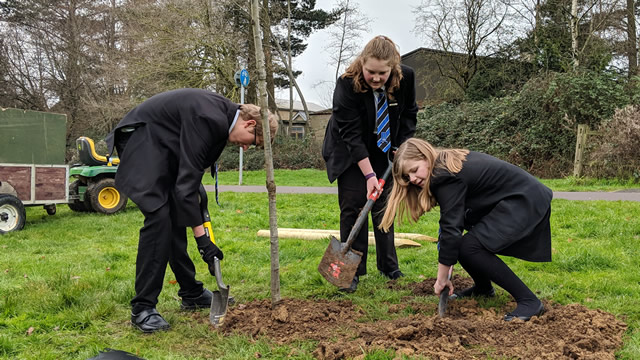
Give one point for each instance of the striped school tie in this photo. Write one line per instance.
(383, 131)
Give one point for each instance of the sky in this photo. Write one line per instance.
(394, 19)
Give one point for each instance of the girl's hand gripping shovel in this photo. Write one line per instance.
(340, 263)
(220, 300)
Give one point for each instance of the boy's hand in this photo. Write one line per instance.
(208, 250)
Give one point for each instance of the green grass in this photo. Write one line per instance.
(313, 177)
(69, 277)
(304, 177)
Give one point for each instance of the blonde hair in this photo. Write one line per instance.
(409, 201)
(381, 48)
(252, 112)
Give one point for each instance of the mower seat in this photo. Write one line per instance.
(88, 155)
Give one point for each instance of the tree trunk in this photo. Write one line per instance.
(268, 157)
(632, 50)
(295, 83)
(574, 33)
(289, 57)
(268, 59)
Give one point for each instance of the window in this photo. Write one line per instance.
(296, 132)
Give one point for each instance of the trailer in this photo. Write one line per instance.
(33, 170)
(30, 185)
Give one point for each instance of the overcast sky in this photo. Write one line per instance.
(394, 19)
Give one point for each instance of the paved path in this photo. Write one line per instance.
(625, 195)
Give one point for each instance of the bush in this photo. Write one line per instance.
(616, 153)
(535, 128)
(288, 153)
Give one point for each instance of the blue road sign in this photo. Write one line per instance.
(244, 77)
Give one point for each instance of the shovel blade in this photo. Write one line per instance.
(220, 300)
(442, 304)
(338, 266)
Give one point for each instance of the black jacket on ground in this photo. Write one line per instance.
(497, 202)
(185, 131)
(350, 135)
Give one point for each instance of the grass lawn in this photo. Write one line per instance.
(313, 177)
(66, 280)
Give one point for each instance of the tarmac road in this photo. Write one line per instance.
(622, 195)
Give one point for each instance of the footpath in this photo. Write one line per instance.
(621, 195)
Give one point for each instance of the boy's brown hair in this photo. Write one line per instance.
(252, 112)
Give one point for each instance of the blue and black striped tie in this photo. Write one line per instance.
(382, 122)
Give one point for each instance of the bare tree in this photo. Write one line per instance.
(466, 30)
(345, 35)
(268, 156)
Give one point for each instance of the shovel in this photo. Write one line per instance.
(444, 297)
(340, 263)
(220, 300)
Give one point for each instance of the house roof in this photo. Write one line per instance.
(283, 104)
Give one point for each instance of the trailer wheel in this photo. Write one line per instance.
(77, 205)
(12, 214)
(105, 198)
(51, 209)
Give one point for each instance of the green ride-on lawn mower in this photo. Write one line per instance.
(93, 187)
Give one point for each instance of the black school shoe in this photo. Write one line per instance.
(525, 317)
(200, 302)
(352, 288)
(149, 321)
(394, 275)
(472, 292)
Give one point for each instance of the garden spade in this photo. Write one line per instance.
(444, 297)
(220, 300)
(340, 263)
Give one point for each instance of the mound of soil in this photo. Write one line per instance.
(467, 332)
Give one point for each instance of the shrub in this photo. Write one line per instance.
(288, 153)
(535, 128)
(616, 153)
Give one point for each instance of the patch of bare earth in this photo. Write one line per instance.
(467, 332)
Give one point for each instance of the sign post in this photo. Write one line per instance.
(242, 79)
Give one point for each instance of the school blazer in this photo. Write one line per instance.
(350, 134)
(499, 203)
(178, 135)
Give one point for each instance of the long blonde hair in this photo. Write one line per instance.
(409, 201)
(381, 48)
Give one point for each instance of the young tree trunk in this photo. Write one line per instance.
(268, 156)
(289, 57)
(268, 59)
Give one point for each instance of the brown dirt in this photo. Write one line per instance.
(467, 332)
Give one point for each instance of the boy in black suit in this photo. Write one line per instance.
(165, 144)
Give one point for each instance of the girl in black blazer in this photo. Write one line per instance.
(503, 209)
(350, 146)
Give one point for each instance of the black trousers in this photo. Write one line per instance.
(352, 196)
(161, 241)
(485, 267)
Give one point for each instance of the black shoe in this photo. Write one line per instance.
(148, 321)
(472, 292)
(200, 302)
(539, 311)
(353, 287)
(393, 275)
